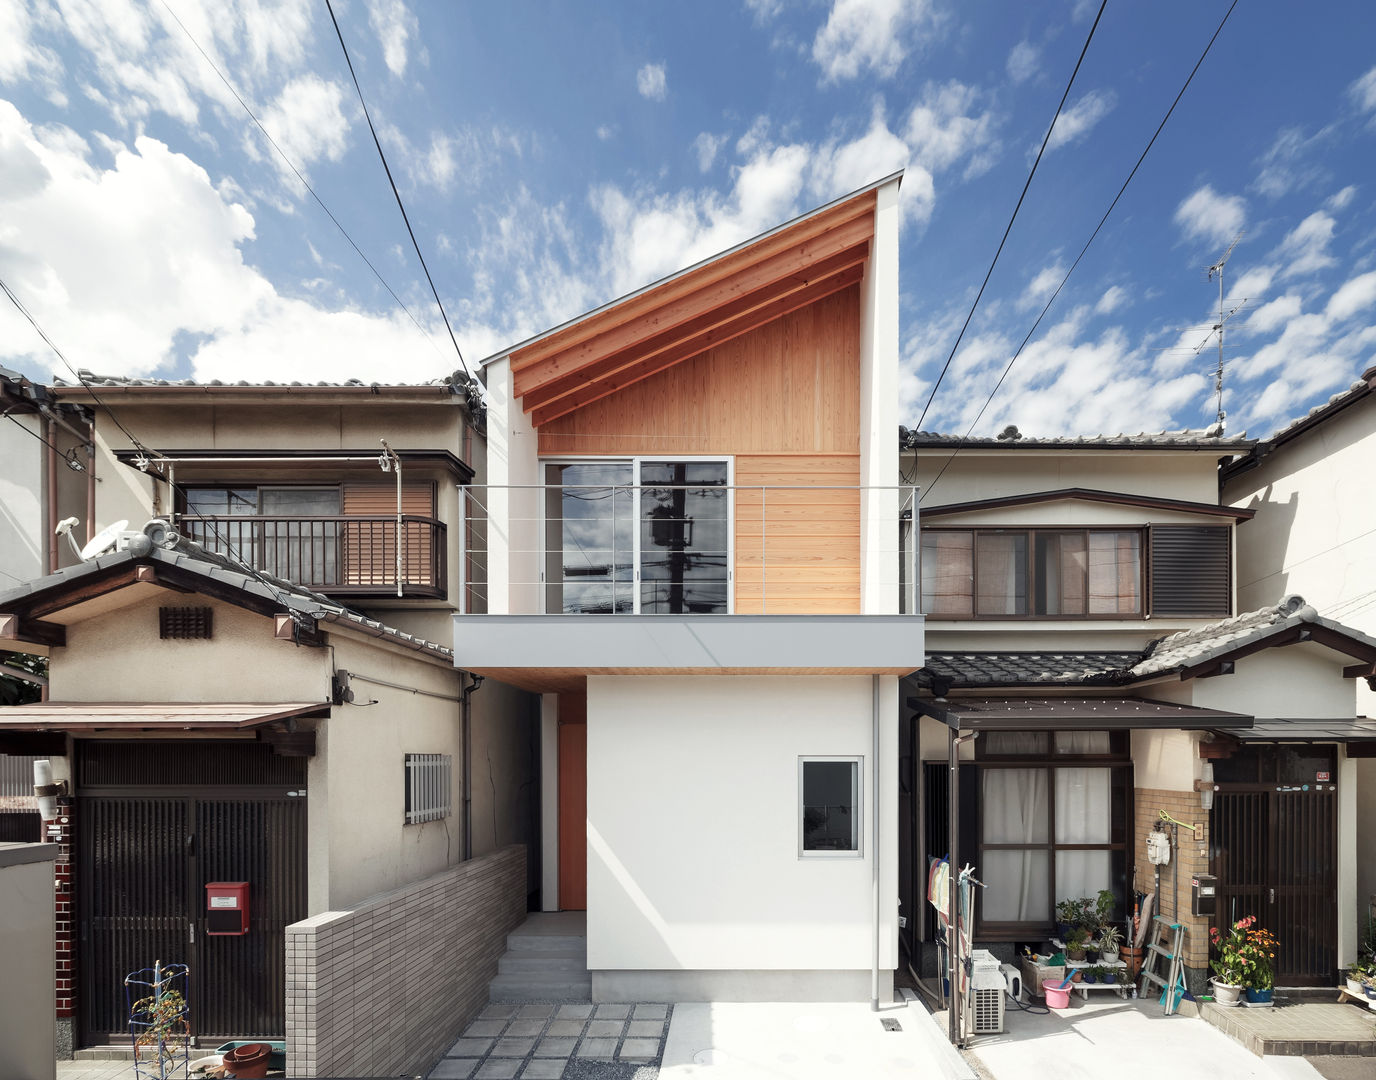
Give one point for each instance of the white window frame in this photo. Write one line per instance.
(635, 461)
(429, 781)
(858, 815)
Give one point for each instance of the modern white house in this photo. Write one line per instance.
(1084, 626)
(698, 553)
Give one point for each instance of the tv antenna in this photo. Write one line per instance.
(1223, 317)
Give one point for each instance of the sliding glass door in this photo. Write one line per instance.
(638, 536)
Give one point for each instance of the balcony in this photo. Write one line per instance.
(689, 577)
(357, 555)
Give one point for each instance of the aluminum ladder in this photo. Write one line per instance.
(1173, 985)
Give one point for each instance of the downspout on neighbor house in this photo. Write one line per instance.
(466, 718)
(874, 840)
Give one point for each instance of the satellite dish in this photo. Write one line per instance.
(104, 540)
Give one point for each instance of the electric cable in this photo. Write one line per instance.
(68, 455)
(1009, 228)
(395, 193)
(1152, 142)
(297, 172)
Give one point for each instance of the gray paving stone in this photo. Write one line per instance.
(565, 1027)
(470, 1048)
(543, 1070)
(499, 1012)
(603, 1049)
(498, 1069)
(536, 1012)
(484, 1028)
(557, 1046)
(613, 1012)
(640, 1049)
(517, 1048)
(645, 1029)
(650, 1012)
(525, 1028)
(580, 1011)
(454, 1069)
(605, 1029)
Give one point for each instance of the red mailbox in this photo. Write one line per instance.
(226, 908)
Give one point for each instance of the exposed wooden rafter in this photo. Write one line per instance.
(694, 312)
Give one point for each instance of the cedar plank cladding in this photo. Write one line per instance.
(369, 548)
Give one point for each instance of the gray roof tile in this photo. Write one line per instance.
(1206, 439)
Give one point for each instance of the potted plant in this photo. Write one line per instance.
(1230, 966)
(1110, 937)
(1258, 953)
(1092, 974)
(1075, 944)
(1066, 914)
(1109, 977)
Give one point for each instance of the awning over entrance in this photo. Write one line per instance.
(157, 716)
(1356, 730)
(1050, 713)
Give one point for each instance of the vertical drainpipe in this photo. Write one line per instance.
(466, 716)
(51, 563)
(874, 839)
(953, 884)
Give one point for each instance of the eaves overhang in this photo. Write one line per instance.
(505, 645)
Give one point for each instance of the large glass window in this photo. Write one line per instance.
(281, 539)
(648, 536)
(1031, 573)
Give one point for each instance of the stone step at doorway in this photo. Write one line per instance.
(546, 960)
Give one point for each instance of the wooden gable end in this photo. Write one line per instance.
(699, 311)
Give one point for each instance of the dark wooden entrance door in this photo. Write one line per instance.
(145, 854)
(1275, 852)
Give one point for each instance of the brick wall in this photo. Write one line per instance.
(386, 987)
(1187, 859)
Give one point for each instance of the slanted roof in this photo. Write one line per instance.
(1090, 495)
(1358, 730)
(158, 716)
(680, 317)
(1096, 713)
(1207, 440)
(186, 566)
(1194, 653)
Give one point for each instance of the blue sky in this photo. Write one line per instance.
(554, 156)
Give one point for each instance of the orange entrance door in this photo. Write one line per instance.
(573, 803)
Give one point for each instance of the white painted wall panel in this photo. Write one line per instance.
(693, 833)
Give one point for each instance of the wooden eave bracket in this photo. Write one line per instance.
(32, 631)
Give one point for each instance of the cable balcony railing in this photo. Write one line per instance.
(693, 548)
(359, 555)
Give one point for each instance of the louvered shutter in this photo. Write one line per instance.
(370, 546)
(1191, 571)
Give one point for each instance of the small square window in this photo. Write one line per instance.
(427, 787)
(829, 806)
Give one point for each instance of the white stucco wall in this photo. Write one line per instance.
(1303, 680)
(515, 511)
(693, 826)
(22, 528)
(27, 928)
(1165, 760)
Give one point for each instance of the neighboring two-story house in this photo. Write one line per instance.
(268, 631)
(1082, 620)
(696, 555)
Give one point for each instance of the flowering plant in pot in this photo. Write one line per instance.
(1230, 965)
(1258, 952)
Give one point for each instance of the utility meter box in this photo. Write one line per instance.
(226, 908)
(1203, 894)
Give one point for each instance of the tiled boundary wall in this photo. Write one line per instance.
(1189, 858)
(384, 988)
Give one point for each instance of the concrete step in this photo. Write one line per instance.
(519, 942)
(564, 961)
(532, 986)
(114, 1052)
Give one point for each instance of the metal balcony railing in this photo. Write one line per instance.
(356, 555)
(702, 548)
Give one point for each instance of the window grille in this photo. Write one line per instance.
(427, 787)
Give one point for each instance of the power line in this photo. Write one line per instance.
(69, 455)
(304, 182)
(1084, 249)
(989, 273)
(395, 193)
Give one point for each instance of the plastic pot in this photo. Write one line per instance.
(248, 1062)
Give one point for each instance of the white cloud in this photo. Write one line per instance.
(1341, 200)
(1041, 286)
(1271, 316)
(650, 81)
(394, 26)
(119, 263)
(841, 167)
(1292, 163)
(307, 121)
(866, 37)
(946, 126)
(1113, 298)
(1024, 61)
(1207, 215)
(1079, 120)
(706, 146)
(764, 10)
(21, 58)
(1305, 248)
(605, 131)
(1353, 296)
(1363, 91)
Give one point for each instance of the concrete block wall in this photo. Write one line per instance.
(384, 988)
(1190, 857)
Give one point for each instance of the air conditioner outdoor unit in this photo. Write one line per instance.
(987, 987)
